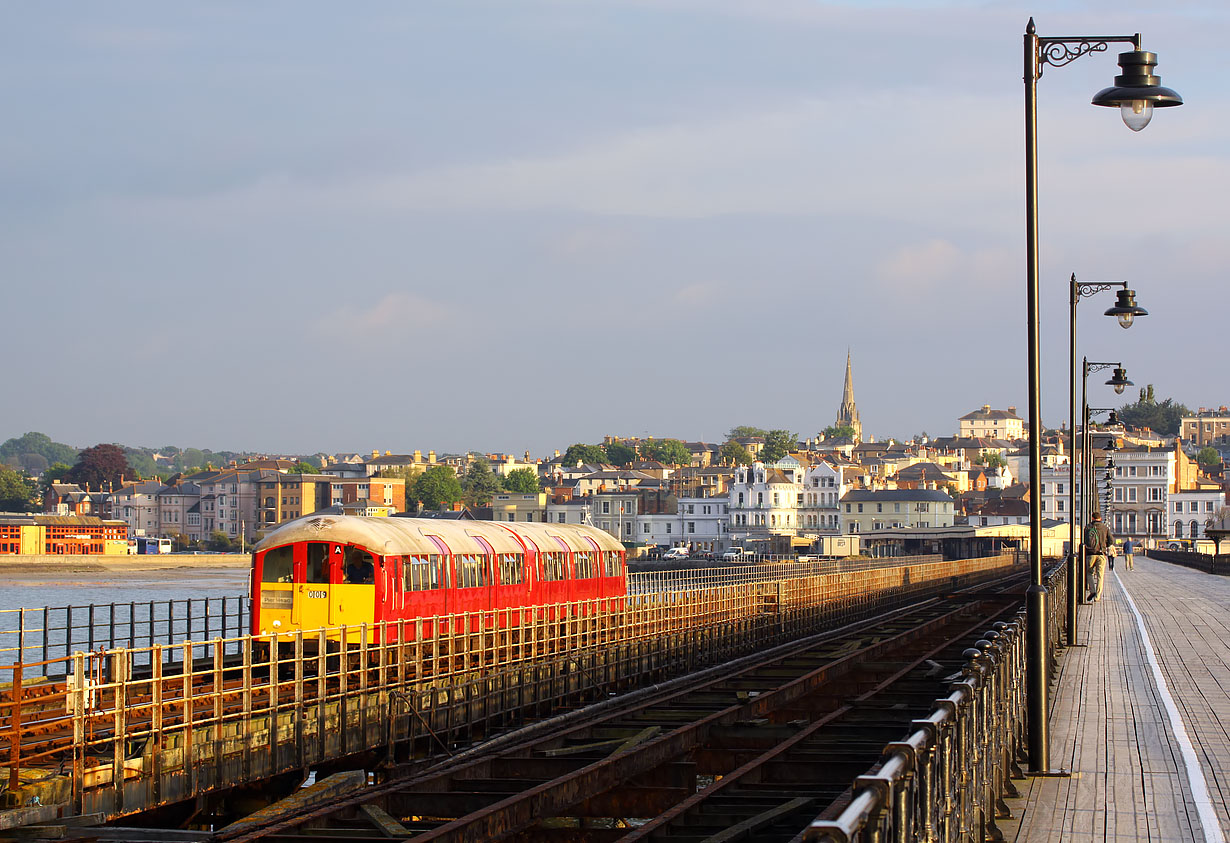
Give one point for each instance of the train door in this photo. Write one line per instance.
(311, 608)
(352, 598)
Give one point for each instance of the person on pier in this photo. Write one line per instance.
(1097, 540)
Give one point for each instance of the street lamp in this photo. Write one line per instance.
(1136, 91)
(1125, 310)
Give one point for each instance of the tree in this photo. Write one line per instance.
(18, 491)
(744, 431)
(588, 454)
(843, 431)
(991, 459)
(617, 453)
(479, 483)
(1164, 417)
(778, 443)
(219, 541)
(735, 454)
(100, 466)
(669, 451)
(304, 467)
(522, 480)
(1208, 458)
(437, 486)
(36, 443)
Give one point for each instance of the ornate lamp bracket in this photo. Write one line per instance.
(1061, 51)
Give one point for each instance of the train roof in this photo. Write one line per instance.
(414, 536)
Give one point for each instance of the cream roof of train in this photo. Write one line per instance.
(400, 536)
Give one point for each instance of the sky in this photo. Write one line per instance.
(500, 226)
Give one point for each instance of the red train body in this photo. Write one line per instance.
(333, 570)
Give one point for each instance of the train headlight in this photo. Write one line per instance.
(277, 624)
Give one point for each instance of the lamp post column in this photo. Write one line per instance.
(1036, 673)
(1075, 523)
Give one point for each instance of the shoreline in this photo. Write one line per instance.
(25, 567)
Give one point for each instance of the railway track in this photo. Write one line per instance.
(755, 749)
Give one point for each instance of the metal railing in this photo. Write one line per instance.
(682, 579)
(122, 741)
(52, 633)
(946, 780)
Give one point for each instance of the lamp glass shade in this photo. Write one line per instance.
(1137, 91)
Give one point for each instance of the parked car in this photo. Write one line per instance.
(676, 553)
(733, 554)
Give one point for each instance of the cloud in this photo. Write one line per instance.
(390, 318)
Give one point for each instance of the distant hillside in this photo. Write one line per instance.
(36, 452)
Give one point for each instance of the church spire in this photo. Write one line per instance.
(847, 415)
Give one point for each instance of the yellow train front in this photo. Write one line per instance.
(328, 572)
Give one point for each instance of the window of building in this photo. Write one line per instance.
(691, 526)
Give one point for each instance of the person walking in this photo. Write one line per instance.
(1097, 540)
(1129, 547)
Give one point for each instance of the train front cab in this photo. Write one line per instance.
(315, 584)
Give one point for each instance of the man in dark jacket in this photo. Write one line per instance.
(1097, 539)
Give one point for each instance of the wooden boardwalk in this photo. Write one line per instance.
(1110, 725)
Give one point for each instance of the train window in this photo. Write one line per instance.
(553, 566)
(317, 562)
(279, 564)
(471, 571)
(584, 563)
(422, 573)
(512, 569)
(613, 564)
(359, 569)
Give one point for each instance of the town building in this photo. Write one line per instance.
(986, 423)
(865, 510)
(1205, 428)
(1192, 510)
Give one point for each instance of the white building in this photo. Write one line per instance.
(1143, 481)
(765, 502)
(1190, 512)
(986, 423)
(823, 488)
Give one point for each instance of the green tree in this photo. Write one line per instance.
(617, 453)
(834, 431)
(304, 467)
(778, 443)
(36, 443)
(588, 454)
(744, 431)
(219, 542)
(1162, 417)
(668, 451)
(732, 453)
(1208, 458)
(141, 461)
(100, 466)
(522, 480)
(991, 459)
(479, 483)
(437, 486)
(18, 491)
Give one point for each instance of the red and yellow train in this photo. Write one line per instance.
(336, 570)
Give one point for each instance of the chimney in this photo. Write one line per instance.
(375, 454)
(557, 454)
(431, 457)
(986, 408)
(388, 453)
(418, 456)
(1012, 410)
